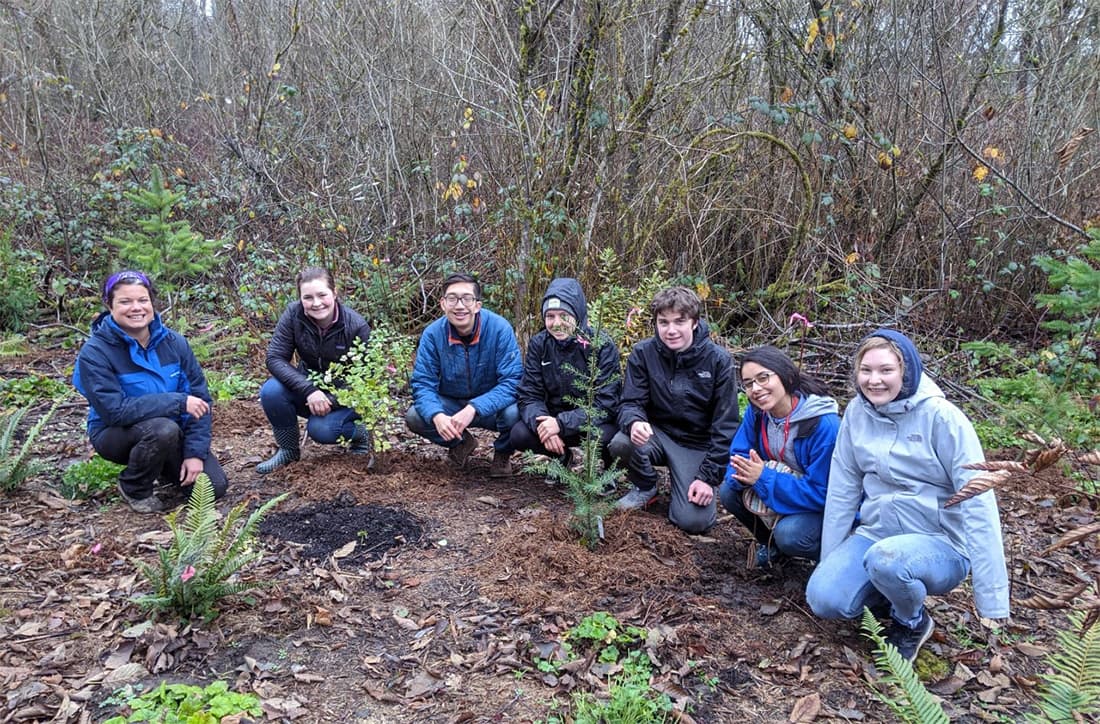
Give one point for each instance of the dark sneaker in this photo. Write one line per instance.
(636, 498)
(151, 504)
(767, 556)
(909, 640)
(460, 453)
(501, 467)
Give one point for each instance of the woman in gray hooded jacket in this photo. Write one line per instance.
(901, 452)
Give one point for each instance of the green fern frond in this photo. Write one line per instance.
(913, 702)
(17, 465)
(1071, 692)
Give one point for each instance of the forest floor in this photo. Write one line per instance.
(417, 593)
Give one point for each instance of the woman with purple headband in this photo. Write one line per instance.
(149, 408)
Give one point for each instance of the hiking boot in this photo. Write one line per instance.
(150, 504)
(636, 498)
(767, 556)
(361, 445)
(501, 467)
(909, 640)
(460, 453)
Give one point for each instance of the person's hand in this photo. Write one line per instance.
(700, 493)
(640, 432)
(446, 427)
(548, 427)
(747, 470)
(464, 417)
(554, 444)
(196, 406)
(190, 470)
(318, 403)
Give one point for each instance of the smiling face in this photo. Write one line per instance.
(560, 324)
(461, 305)
(765, 389)
(675, 329)
(879, 375)
(318, 301)
(132, 309)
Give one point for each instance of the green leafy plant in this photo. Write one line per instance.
(369, 378)
(16, 463)
(183, 704)
(621, 310)
(19, 302)
(30, 389)
(906, 696)
(163, 246)
(1077, 306)
(1071, 692)
(226, 386)
(200, 566)
(89, 478)
(630, 699)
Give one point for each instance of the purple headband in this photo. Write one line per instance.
(124, 277)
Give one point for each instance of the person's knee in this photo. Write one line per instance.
(826, 599)
(522, 437)
(162, 432)
(695, 519)
(414, 421)
(508, 417)
(730, 495)
(621, 448)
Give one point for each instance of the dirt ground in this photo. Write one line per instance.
(415, 593)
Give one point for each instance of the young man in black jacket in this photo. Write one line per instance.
(679, 408)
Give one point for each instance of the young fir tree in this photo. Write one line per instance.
(165, 248)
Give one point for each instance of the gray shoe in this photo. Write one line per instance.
(636, 498)
(909, 640)
(460, 453)
(151, 504)
(501, 467)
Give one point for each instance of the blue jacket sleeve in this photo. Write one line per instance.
(509, 370)
(196, 432)
(786, 493)
(426, 374)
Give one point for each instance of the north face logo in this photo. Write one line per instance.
(915, 437)
(703, 374)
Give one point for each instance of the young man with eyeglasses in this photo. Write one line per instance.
(468, 366)
(679, 409)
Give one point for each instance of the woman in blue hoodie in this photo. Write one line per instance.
(149, 408)
(779, 459)
(902, 451)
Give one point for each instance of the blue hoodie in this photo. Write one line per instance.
(125, 383)
(897, 463)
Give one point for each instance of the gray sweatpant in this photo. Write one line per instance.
(683, 466)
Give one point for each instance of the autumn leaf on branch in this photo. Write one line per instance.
(1066, 152)
(978, 485)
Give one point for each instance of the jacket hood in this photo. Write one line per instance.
(569, 291)
(914, 368)
(811, 406)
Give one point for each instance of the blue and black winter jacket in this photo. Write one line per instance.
(125, 383)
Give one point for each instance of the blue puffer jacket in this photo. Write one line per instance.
(485, 373)
(125, 383)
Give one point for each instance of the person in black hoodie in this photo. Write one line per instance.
(320, 330)
(556, 370)
(679, 408)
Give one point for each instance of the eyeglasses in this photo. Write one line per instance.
(761, 379)
(452, 300)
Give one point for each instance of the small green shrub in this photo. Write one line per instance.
(906, 696)
(630, 699)
(16, 464)
(89, 478)
(18, 276)
(30, 389)
(620, 311)
(369, 380)
(184, 704)
(200, 567)
(1070, 692)
(226, 386)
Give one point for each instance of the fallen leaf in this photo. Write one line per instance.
(771, 608)
(805, 709)
(1031, 650)
(489, 500)
(423, 684)
(345, 550)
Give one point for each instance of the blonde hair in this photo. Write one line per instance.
(878, 343)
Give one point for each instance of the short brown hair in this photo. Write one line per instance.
(313, 273)
(679, 299)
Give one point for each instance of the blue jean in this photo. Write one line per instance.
(501, 422)
(283, 407)
(798, 534)
(901, 569)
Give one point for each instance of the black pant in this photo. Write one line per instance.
(524, 438)
(151, 450)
